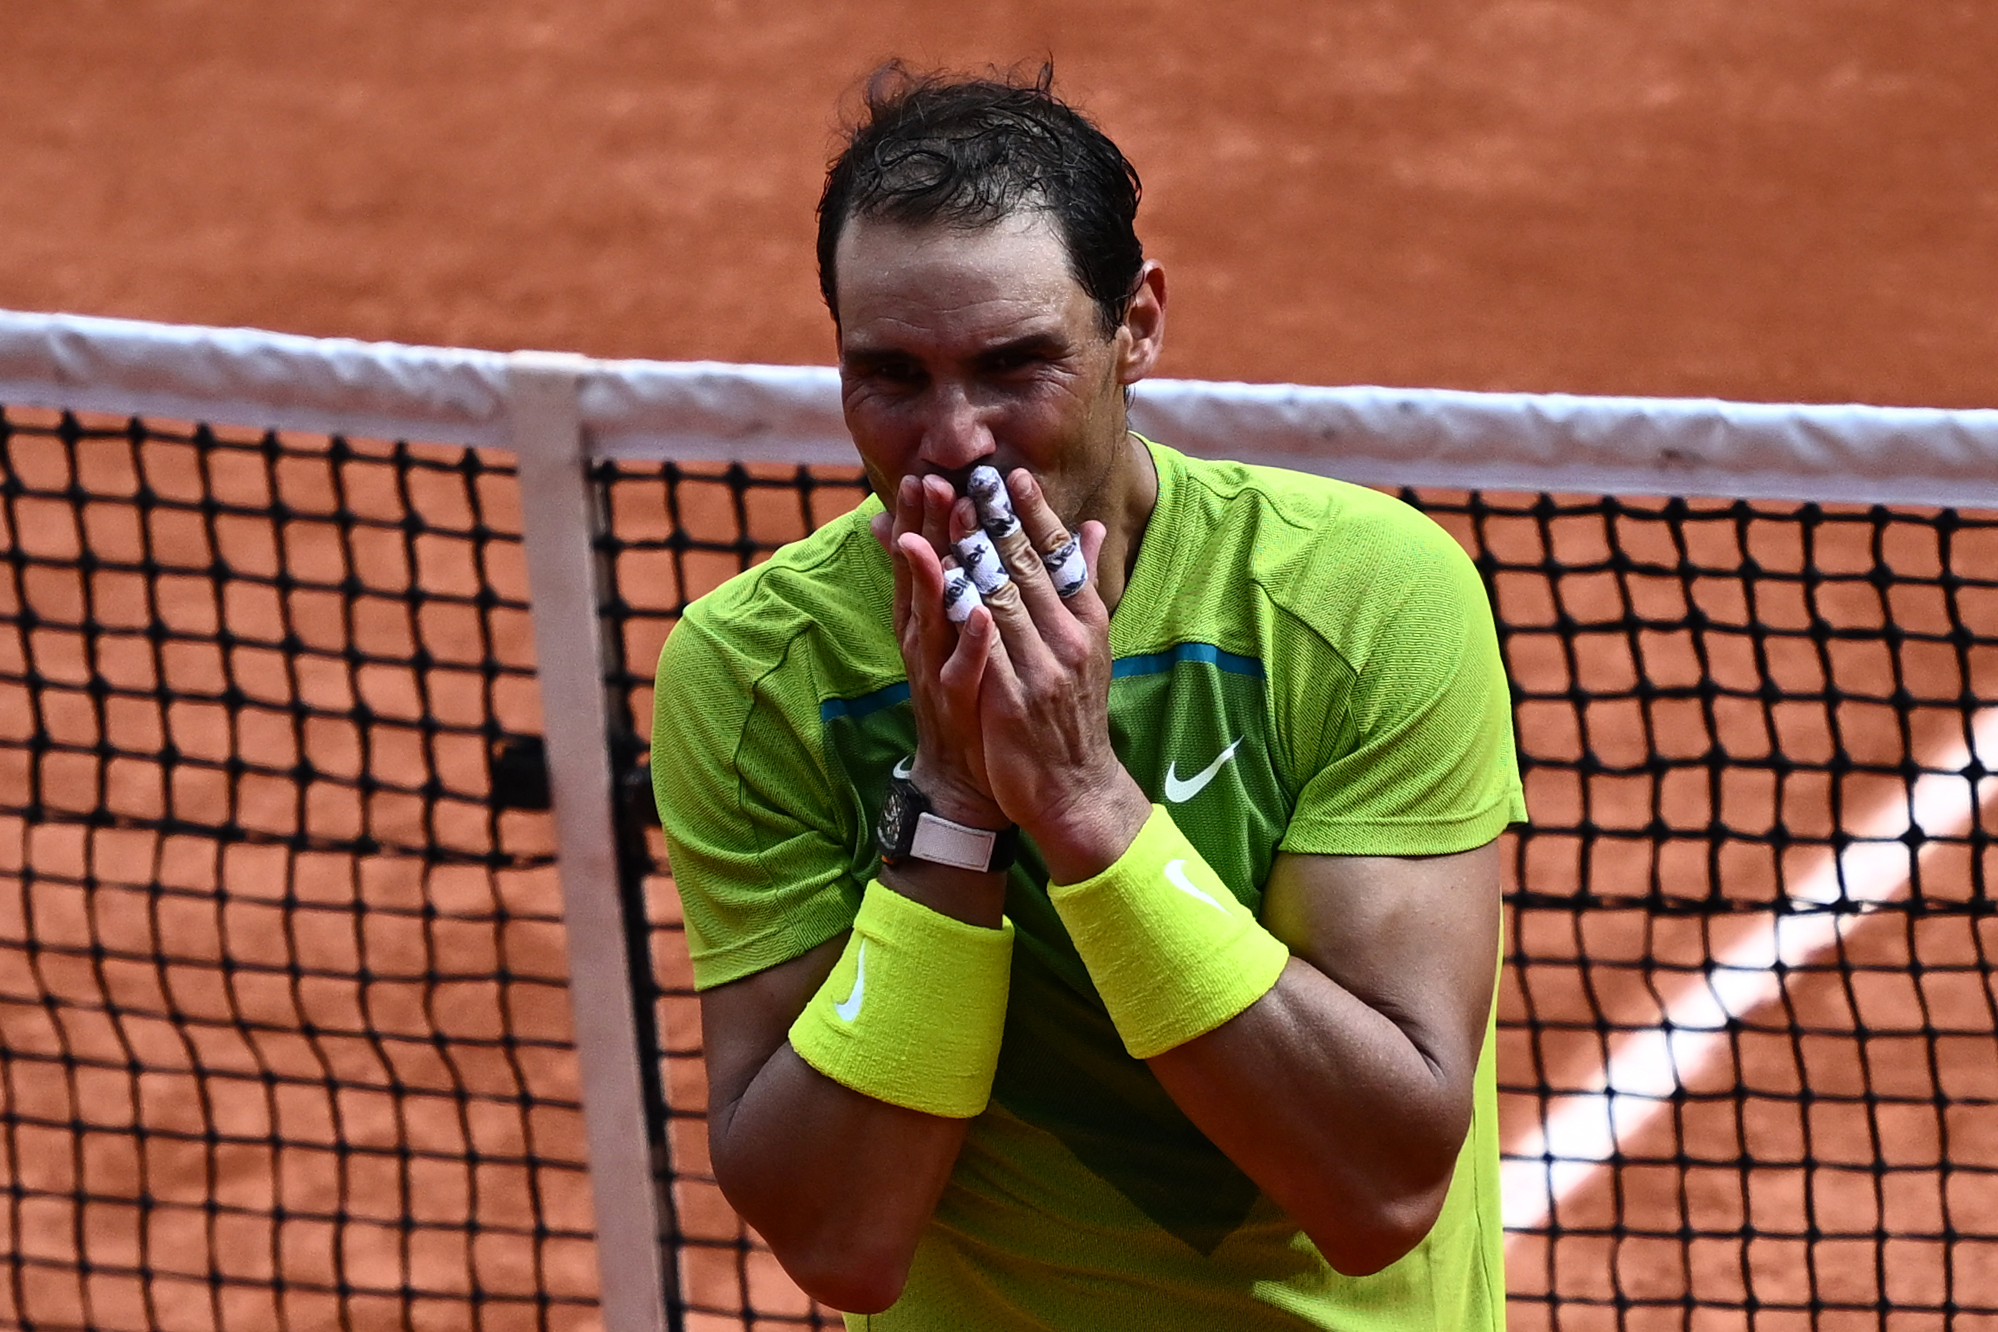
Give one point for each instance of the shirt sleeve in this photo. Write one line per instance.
(761, 851)
(1399, 715)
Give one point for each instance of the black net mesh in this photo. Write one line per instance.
(283, 1033)
(1759, 875)
(284, 1039)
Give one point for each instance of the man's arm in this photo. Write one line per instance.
(1345, 1091)
(839, 1184)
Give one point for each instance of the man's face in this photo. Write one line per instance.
(959, 347)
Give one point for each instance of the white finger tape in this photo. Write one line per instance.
(980, 559)
(994, 505)
(1067, 570)
(960, 596)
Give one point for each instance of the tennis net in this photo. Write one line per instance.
(287, 1030)
(284, 1032)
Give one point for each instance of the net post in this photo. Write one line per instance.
(558, 526)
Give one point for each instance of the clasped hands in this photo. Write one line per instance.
(1012, 705)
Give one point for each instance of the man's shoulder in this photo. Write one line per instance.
(831, 575)
(1294, 529)
(834, 585)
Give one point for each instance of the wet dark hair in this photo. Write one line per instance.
(969, 152)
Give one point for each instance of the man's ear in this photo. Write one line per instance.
(1141, 337)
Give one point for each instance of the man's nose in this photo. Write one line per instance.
(958, 432)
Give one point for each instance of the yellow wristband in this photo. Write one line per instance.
(913, 1011)
(1172, 951)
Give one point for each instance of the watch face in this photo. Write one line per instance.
(892, 832)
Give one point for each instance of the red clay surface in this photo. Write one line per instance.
(1787, 201)
(1792, 199)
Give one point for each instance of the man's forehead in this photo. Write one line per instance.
(1021, 253)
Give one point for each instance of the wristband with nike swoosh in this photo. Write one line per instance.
(914, 1009)
(1173, 952)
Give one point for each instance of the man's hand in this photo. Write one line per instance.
(1016, 701)
(945, 662)
(1044, 706)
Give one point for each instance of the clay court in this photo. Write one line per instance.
(1791, 203)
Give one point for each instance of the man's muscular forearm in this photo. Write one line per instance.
(1346, 1090)
(839, 1184)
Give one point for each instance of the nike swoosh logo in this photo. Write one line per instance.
(850, 1010)
(906, 768)
(1175, 873)
(1178, 792)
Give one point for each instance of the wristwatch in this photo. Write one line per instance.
(907, 830)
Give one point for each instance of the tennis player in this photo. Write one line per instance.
(1122, 960)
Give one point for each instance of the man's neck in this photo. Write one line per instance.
(1132, 496)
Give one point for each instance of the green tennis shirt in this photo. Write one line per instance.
(1301, 665)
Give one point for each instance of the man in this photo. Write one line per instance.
(1117, 961)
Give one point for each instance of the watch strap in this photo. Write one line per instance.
(908, 829)
(946, 843)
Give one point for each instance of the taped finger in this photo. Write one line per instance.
(960, 594)
(980, 559)
(1058, 549)
(994, 504)
(1067, 569)
(1002, 523)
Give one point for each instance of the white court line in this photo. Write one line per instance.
(1583, 1130)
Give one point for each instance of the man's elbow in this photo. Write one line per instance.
(847, 1278)
(855, 1259)
(836, 1257)
(1361, 1242)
